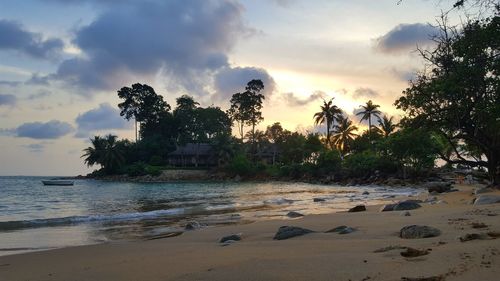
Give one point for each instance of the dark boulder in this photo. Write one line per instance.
(286, 232)
(418, 231)
(388, 207)
(487, 199)
(232, 237)
(319, 200)
(343, 229)
(294, 214)
(359, 208)
(406, 205)
(437, 186)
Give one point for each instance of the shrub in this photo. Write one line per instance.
(240, 165)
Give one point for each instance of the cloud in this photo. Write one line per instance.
(182, 40)
(15, 37)
(35, 147)
(101, 118)
(406, 37)
(40, 94)
(50, 130)
(231, 80)
(365, 93)
(292, 100)
(404, 75)
(8, 100)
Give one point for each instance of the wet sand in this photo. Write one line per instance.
(197, 255)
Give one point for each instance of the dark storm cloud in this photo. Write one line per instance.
(184, 40)
(292, 100)
(406, 37)
(8, 100)
(365, 93)
(101, 118)
(38, 130)
(14, 37)
(230, 80)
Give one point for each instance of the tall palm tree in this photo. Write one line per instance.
(386, 125)
(343, 134)
(329, 112)
(369, 110)
(94, 154)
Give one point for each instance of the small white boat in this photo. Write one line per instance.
(58, 182)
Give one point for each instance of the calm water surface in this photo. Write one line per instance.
(36, 217)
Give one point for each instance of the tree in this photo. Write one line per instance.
(458, 95)
(142, 103)
(211, 122)
(386, 125)
(343, 134)
(328, 114)
(369, 110)
(246, 107)
(107, 152)
(185, 116)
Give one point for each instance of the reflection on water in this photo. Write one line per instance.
(33, 216)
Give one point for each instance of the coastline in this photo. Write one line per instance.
(196, 255)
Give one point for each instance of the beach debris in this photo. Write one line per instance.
(412, 252)
(192, 225)
(319, 200)
(437, 186)
(389, 248)
(406, 214)
(166, 235)
(230, 238)
(358, 208)
(286, 232)
(479, 236)
(343, 229)
(388, 207)
(294, 214)
(365, 193)
(418, 231)
(407, 205)
(487, 199)
(431, 278)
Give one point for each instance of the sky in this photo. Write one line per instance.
(62, 62)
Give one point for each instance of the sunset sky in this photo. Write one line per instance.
(61, 63)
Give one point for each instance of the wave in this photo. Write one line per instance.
(71, 220)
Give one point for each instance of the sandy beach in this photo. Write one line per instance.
(372, 252)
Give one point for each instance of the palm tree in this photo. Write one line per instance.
(368, 110)
(328, 114)
(386, 125)
(343, 134)
(107, 152)
(94, 154)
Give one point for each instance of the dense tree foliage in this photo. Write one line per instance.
(458, 95)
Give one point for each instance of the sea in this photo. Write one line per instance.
(35, 217)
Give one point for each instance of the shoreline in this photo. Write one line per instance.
(196, 255)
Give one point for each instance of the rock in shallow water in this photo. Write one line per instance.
(418, 231)
(286, 232)
(192, 225)
(359, 208)
(294, 214)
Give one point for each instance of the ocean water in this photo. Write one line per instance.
(37, 217)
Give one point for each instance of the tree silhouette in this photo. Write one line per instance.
(107, 152)
(369, 110)
(343, 134)
(329, 112)
(386, 125)
(142, 103)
